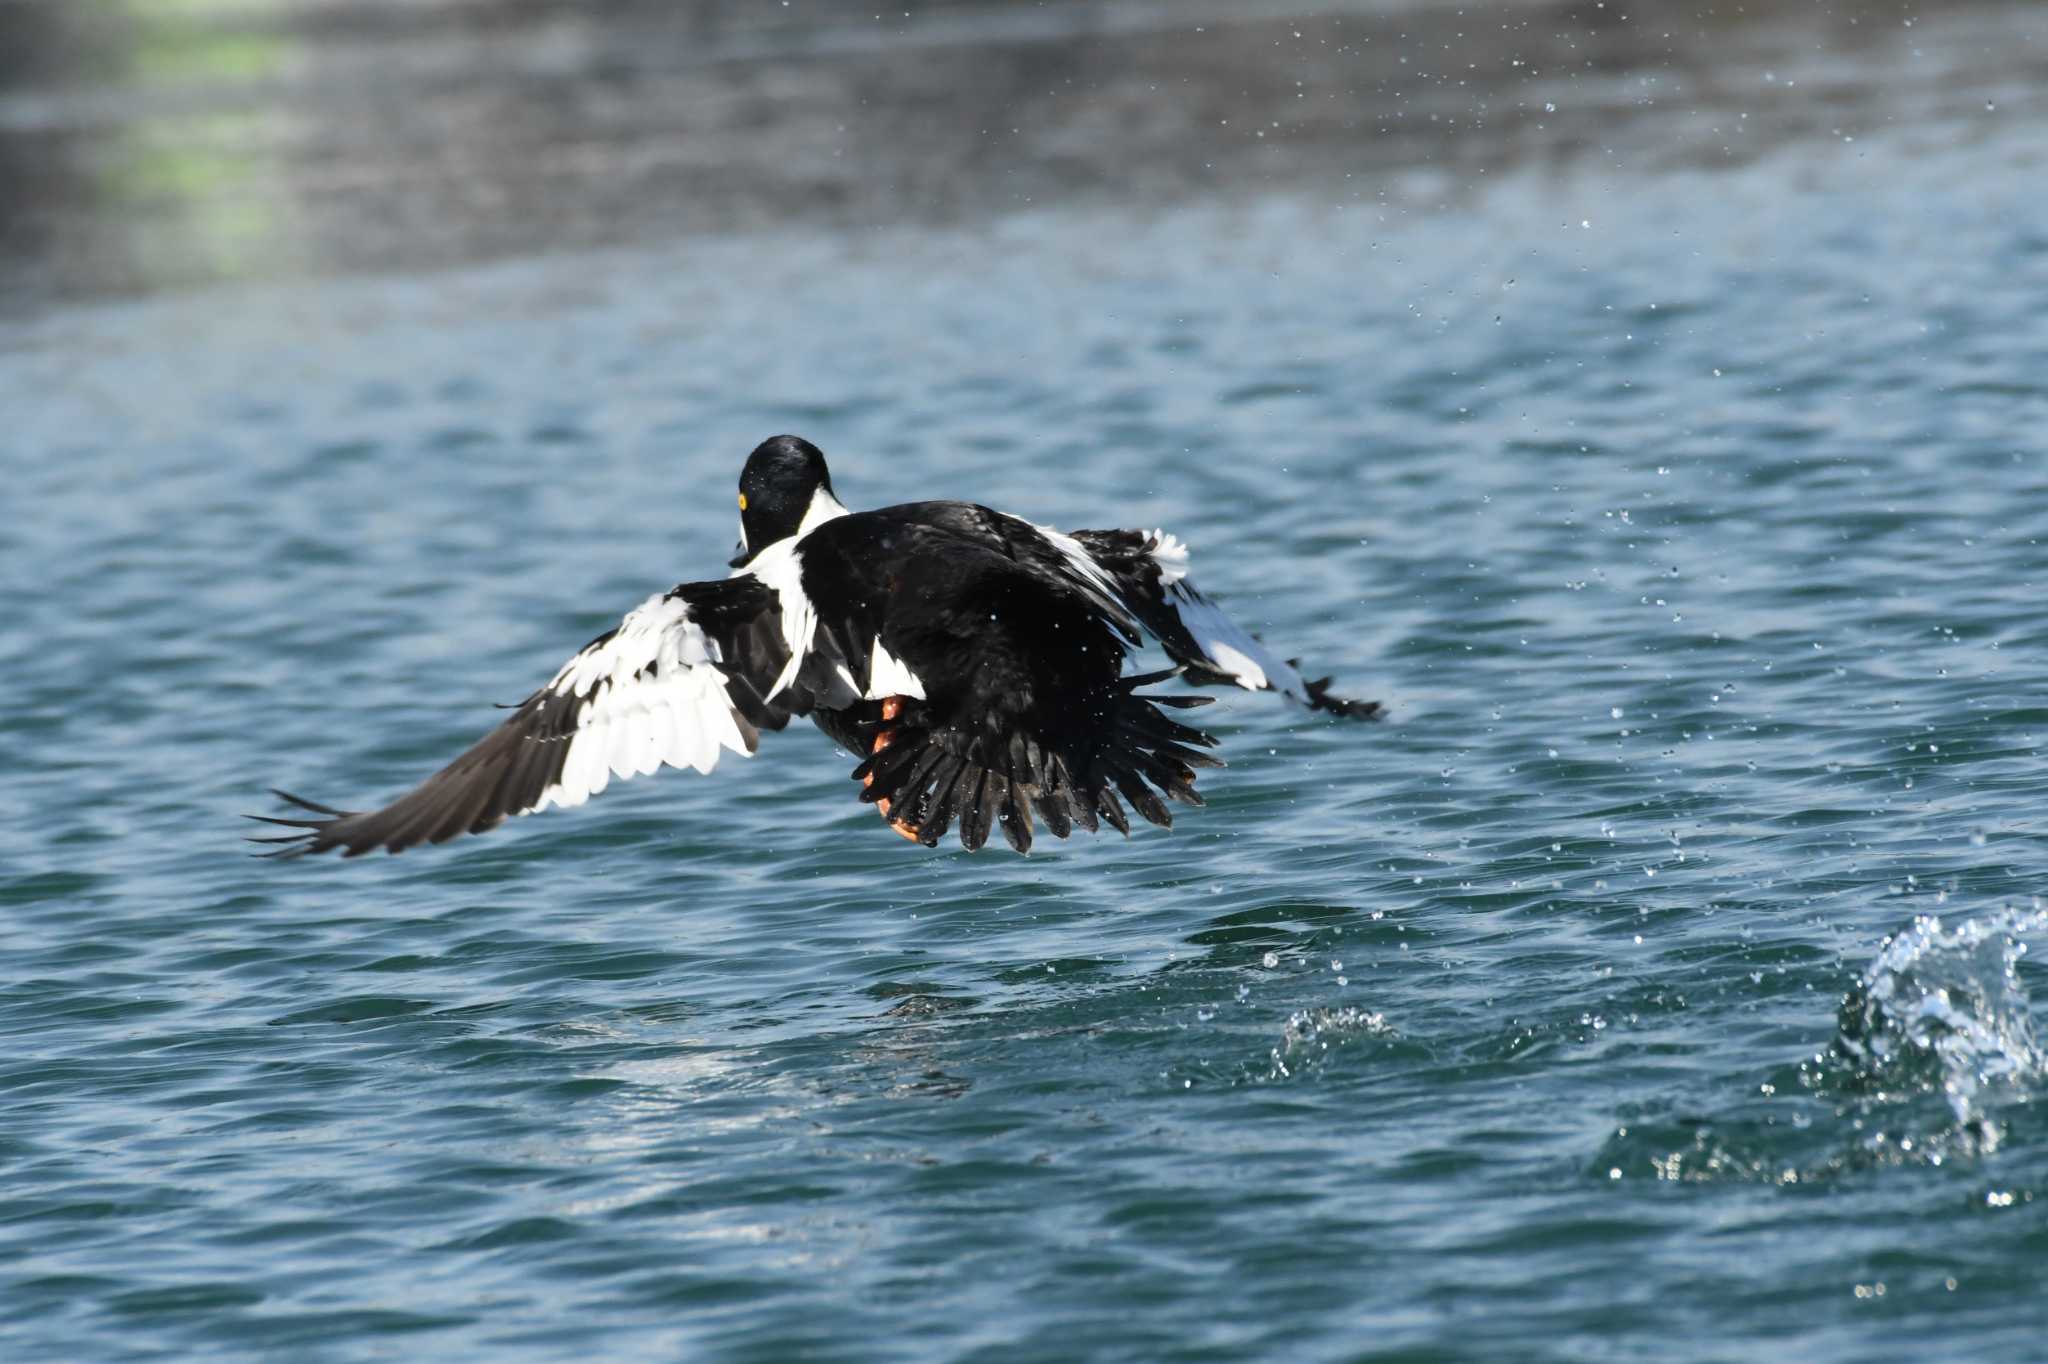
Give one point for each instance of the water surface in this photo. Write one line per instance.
(1688, 517)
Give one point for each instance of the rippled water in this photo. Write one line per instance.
(1690, 525)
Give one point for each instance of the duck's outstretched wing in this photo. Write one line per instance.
(1148, 572)
(685, 675)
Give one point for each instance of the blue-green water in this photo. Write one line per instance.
(1690, 524)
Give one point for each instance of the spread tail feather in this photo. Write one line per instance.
(932, 777)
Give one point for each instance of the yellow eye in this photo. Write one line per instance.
(743, 501)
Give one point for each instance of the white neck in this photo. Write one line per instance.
(824, 507)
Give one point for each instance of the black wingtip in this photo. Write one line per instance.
(1319, 698)
(312, 835)
(1137, 680)
(290, 823)
(315, 806)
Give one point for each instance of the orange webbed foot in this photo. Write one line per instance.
(892, 707)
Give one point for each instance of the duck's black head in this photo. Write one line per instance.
(779, 490)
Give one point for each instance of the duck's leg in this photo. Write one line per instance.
(892, 706)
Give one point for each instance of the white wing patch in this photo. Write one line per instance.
(1247, 662)
(889, 676)
(1170, 552)
(1224, 645)
(1082, 562)
(650, 694)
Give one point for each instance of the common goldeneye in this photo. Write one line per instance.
(973, 659)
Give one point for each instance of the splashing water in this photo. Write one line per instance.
(1310, 1033)
(1940, 1012)
(1943, 1010)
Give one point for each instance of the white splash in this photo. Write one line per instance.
(1309, 1034)
(1944, 1007)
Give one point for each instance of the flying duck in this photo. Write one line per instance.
(972, 659)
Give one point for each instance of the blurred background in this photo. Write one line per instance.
(1638, 398)
(147, 144)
